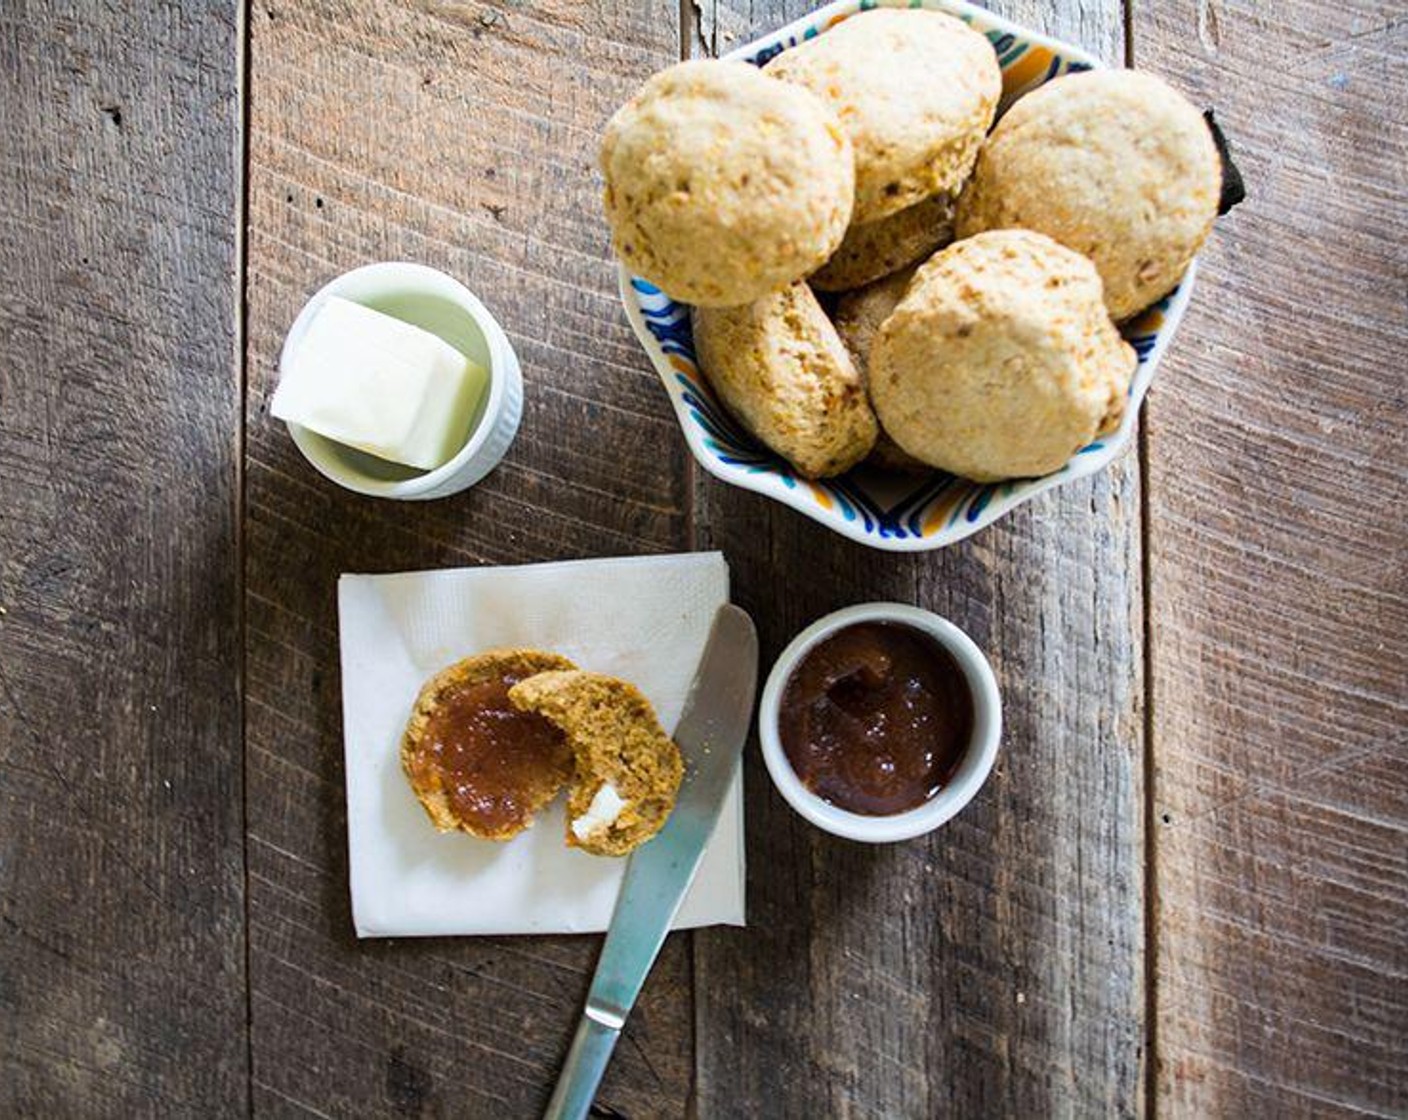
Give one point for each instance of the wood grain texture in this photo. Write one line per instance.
(1278, 481)
(463, 136)
(122, 987)
(993, 968)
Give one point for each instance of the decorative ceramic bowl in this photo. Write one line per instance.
(901, 513)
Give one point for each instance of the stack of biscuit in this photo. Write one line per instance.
(847, 166)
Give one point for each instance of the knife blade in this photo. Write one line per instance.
(710, 735)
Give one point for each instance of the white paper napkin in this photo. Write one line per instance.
(645, 619)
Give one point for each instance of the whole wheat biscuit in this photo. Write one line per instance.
(915, 90)
(484, 774)
(722, 185)
(876, 249)
(1115, 164)
(618, 745)
(1000, 361)
(779, 367)
(858, 318)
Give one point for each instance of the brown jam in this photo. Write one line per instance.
(876, 718)
(495, 764)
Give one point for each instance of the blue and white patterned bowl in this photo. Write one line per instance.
(900, 513)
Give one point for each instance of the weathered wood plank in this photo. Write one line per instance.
(122, 986)
(463, 136)
(1278, 481)
(994, 968)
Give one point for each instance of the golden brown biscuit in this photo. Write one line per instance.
(915, 90)
(1000, 361)
(876, 249)
(858, 318)
(628, 770)
(722, 185)
(475, 762)
(1114, 164)
(779, 367)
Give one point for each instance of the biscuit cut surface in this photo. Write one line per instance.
(915, 90)
(615, 739)
(1115, 164)
(859, 315)
(476, 763)
(780, 368)
(722, 185)
(1000, 361)
(877, 249)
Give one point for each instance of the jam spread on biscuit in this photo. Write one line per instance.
(492, 761)
(876, 718)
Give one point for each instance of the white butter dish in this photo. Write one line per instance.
(436, 303)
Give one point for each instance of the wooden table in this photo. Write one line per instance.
(1185, 889)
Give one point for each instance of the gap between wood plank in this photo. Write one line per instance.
(687, 28)
(687, 31)
(1151, 899)
(1151, 882)
(242, 63)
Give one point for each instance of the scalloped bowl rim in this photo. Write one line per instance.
(797, 494)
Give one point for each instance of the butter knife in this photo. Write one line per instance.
(711, 734)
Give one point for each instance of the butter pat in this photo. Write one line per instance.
(381, 385)
(601, 814)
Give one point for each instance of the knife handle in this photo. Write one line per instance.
(581, 1073)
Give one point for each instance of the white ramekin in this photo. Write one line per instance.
(442, 305)
(972, 771)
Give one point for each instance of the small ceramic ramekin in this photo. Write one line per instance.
(426, 298)
(972, 771)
